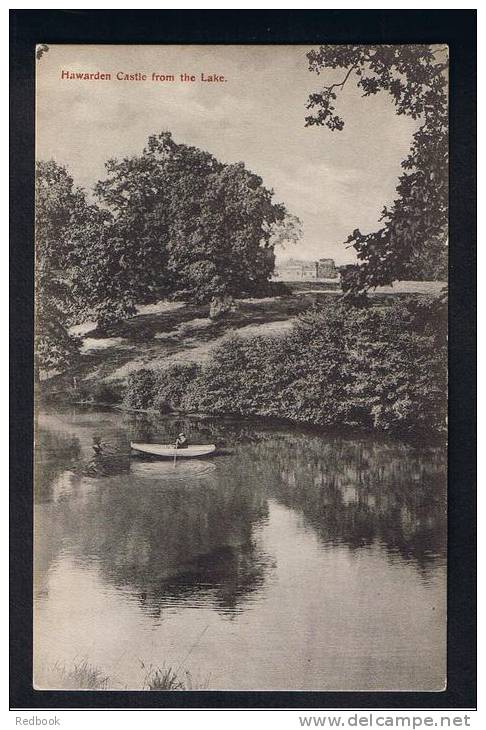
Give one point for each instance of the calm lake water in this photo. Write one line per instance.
(290, 560)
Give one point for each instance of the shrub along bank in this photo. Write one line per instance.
(381, 367)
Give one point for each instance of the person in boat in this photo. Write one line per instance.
(181, 441)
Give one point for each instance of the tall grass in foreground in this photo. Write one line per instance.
(166, 678)
(83, 675)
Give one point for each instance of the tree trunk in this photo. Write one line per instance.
(221, 306)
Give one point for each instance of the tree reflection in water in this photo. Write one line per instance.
(162, 539)
(55, 453)
(193, 540)
(353, 491)
(362, 492)
(168, 541)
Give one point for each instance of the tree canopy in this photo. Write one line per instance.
(412, 242)
(188, 223)
(62, 221)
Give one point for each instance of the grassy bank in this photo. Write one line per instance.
(161, 335)
(383, 368)
(306, 358)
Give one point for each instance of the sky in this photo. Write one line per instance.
(333, 181)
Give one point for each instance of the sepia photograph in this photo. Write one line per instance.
(241, 367)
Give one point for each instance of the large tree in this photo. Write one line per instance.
(188, 223)
(62, 222)
(412, 241)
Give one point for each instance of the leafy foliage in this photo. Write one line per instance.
(40, 50)
(140, 390)
(61, 213)
(172, 386)
(55, 348)
(189, 224)
(382, 367)
(289, 230)
(172, 221)
(412, 243)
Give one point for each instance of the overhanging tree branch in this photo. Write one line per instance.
(340, 85)
(413, 240)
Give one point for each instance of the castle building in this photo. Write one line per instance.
(326, 269)
(299, 269)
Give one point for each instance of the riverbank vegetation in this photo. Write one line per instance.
(382, 367)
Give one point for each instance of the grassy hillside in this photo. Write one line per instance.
(170, 332)
(167, 333)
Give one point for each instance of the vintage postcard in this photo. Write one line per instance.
(241, 367)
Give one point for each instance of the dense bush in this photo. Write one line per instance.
(173, 386)
(141, 389)
(382, 367)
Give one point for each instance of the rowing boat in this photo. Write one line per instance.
(168, 451)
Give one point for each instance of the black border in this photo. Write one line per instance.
(457, 28)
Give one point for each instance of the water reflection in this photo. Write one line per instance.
(55, 453)
(158, 532)
(180, 533)
(169, 472)
(353, 491)
(362, 492)
(210, 534)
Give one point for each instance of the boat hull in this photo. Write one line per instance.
(167, 451)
